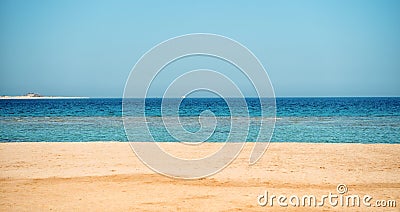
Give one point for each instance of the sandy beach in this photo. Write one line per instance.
(108, 176)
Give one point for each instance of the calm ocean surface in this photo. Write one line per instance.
(332, 120)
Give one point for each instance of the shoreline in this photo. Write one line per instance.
(107, 175)
(217, 143)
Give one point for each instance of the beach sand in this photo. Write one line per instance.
(108, 176)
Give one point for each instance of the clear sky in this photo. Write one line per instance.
(309, 48)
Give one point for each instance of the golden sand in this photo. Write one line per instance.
(108, 176)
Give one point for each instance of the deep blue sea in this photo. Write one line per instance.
(332, 120)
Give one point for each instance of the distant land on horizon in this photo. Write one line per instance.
(38, 96)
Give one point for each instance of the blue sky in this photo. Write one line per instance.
(309, 48)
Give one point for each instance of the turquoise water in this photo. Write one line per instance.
(339, 120)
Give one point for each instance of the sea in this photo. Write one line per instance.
(316, 120)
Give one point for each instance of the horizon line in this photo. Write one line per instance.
(202, 97)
